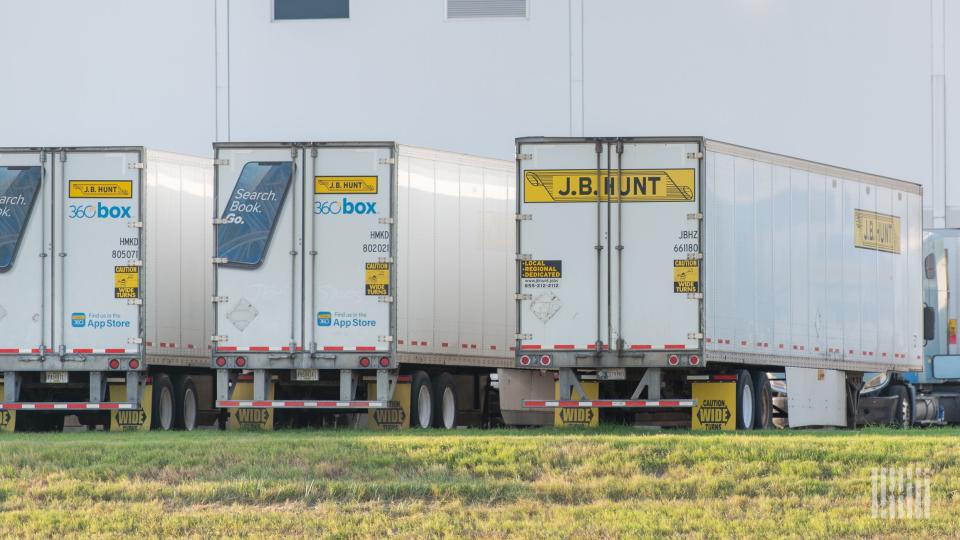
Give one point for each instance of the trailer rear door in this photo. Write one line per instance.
(24, 272)
(257, 248)
(609, 237)
(350, 271)
(98, 270)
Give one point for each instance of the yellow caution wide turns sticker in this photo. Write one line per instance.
(126, 282)
(377, 279)
(716, 407)
(872, 230)
(686, 276)
(635, 185)
(101, 189)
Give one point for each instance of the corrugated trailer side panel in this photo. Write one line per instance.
(455, 258)
(178, 253)
(788, 277)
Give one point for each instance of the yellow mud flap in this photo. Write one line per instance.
(133, 419)
(573, 416)
(244, 418)
(716, 407)
(8, 419)
(393, 418)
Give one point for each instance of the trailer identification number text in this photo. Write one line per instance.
(635, 185)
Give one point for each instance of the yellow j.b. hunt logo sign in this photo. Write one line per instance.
(872, 230)
(635, 185)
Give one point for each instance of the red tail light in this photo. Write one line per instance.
(364, 362)
(694, 360)
(241, 361)
(221, 361)
(384, 361)
(674, 359)
(134, 363)
(545, 360)
(114, 363)
(524, 360)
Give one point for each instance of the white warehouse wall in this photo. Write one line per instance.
(849, 83)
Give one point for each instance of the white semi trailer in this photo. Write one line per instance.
(104, 288)
(647, 264)
(337, 262)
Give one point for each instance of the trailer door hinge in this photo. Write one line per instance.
(385, 339)
(523, 217)
(695, 335)
(137, 165)
(697, 216)
(135, 224)
(218, 221)
(385, 299)
(388, 260)
(694, 256)
(523, 256)
(135, 341)
(220, 260)
(521, 157)
(694, 155)
(217, 339)
(386, 161)
(219, 299)
(523, 296)
(695, 295)
(221, 162)
(522, 337)
(385, 221)
(135, 301)
(136, 263)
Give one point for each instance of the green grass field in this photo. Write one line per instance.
(587, 484)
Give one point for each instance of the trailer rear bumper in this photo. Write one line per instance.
(306, 404)
(528, 358)
(610, 404)
(67, 406)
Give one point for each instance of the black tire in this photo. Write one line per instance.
(746, 400)
(443, 392)
(763, 406)
(421, 400)
(903, 415)
(187, 405)
(164, 396)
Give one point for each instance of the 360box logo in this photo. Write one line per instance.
(344, 207)
(100, 211)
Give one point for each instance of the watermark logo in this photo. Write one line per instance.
(900, 492)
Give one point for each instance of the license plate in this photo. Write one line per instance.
(612, 374)
(55, 377)
(307, 375)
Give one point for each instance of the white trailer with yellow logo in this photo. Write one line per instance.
(105, 280)
(649, 265)
(360, 276)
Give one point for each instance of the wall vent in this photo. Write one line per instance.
(486, 9)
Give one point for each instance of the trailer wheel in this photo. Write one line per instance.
(763, 408)
(902, 414)
(445, 394)
(746, 400)
(421, 400)
(164, 410)
(186, 405)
